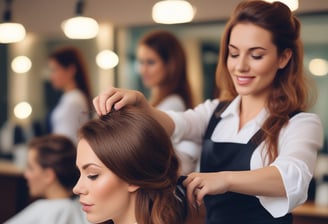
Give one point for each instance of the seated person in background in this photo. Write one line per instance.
(129, 171)
(51, 174)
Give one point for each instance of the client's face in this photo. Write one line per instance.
(103, 195)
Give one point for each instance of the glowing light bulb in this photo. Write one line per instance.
(80, 27)
(23, 110)
(21, 64)
(107, 59)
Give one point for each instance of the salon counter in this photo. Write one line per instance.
(9, 168)
(310, 213)
(13, 190)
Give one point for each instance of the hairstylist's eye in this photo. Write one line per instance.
(93, 177)
(233, 54)
(257, 57)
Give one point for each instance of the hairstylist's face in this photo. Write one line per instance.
(253, 60)
(37, 177)
(103, 194)
(151, 66)
(59, 75)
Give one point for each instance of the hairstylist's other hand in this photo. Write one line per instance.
(115, 98)
(200, 184)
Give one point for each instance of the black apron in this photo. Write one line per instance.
(230, 207)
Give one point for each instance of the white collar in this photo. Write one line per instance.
(234, 110)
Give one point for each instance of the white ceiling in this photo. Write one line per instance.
(45, 16)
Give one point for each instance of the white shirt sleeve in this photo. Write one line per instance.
(172, 102)
(299, 143)
(187, 150)
(192, 124)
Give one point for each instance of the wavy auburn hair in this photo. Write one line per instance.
(290, 91)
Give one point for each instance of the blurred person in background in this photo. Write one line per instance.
(163, 70)
(69, 74)
(51, 174)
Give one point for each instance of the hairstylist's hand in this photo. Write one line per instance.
(117, 98)
(200, 184)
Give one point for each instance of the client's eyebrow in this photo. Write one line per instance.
(84, 167)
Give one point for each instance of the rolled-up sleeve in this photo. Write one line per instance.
(192, 124)
(299, 143)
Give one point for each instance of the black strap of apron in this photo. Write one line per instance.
(259, 136)
(216, 117)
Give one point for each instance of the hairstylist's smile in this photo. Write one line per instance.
(244, 80)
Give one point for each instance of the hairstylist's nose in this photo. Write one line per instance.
(242, 64)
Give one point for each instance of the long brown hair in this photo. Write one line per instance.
(170, 50)
(67, 56)
(290, 90)
(137, 149)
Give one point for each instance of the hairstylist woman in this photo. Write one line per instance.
(259, 149)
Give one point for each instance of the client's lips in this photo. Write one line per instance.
(86, 207)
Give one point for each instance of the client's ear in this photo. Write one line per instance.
(50, 175)
(132, 188)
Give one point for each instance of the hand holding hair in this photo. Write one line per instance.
(115, 98)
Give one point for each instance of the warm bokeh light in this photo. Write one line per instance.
(173, 11)
(80, 27)
(22, 110)
(21, 64)
(318, 67)
(107, 59)
(11, 32)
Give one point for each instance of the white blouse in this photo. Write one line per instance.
(70, 113)
(298, 145)
(51, 211)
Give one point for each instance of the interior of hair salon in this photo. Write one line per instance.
(108, 37)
